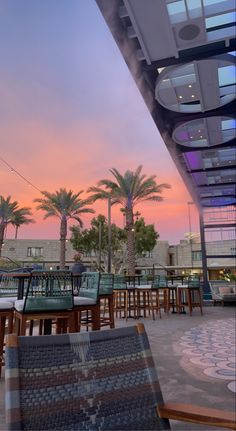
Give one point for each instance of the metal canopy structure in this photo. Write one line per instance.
(181, 54)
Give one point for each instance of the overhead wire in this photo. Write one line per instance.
(29, 183)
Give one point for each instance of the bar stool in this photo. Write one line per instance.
(87, 301)
(106, 300)
(190, 295)
(6, 315)
(121, 296)
(49, 298)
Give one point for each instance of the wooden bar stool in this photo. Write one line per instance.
(189, 295)
(120, 296)
(6, 316)
(106, 300)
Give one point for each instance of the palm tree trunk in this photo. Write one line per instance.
(16, 231)
(2, 231)
(130, 241)
(63, 233)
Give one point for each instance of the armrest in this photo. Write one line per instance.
(197, 414)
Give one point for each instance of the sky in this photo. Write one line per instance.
(70, 111)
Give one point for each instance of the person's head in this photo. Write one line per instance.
(78, 257)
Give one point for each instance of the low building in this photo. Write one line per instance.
(179, 259)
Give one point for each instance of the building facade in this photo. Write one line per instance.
(180, 259)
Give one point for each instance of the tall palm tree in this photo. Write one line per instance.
(20, 218)
(65, 205)
(9, 210)
(128, 190)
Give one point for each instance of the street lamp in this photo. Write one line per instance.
(109, 234)
(190, 233)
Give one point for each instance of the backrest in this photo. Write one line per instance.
(159, 281)
(143, 280)
(49, 291)
(89, 287)
(119, 281)
(106, 283)
(194, 281)
(8, 285)
(98, 380)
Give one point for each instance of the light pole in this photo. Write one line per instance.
(109, 234)
(190, 233)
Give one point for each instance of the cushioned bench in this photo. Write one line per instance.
(223, 291)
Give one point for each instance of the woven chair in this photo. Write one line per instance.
(88, 301)
(49, 297)
(102, 380)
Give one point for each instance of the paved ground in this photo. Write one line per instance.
(194, 358)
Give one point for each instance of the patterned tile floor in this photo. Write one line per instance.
(211, 346)
(194, 357)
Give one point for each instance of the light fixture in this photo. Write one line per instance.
(193, 95)
(180, 97)
(201, 136)
(190, 86)
(191, 137)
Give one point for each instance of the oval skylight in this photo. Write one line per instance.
(198, 86)
(205, 132)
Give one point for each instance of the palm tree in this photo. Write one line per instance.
(65, 205)
(9, 211)
(129, 190)
(20, 218)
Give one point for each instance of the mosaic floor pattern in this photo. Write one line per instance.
(211, 346)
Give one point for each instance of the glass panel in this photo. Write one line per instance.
(222, 33)
(230, 89)
(218, 20)
(183, 80)
(212, 7)
(228, 124)
(227, 75)
(194, 8)
(177, 11)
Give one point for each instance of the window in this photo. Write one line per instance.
(233, 251)
(196, 255)
(146, 254)
(35, 251)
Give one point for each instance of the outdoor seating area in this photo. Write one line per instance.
(57, 301)
(113, 378)
(72, 310)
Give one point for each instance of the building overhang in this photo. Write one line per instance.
(181, 55)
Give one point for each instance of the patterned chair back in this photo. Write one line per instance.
(159, 281)
(194, 281)
(98, 380)
(8, 286)
(89, 287)
(49, 291)
(119, 281)
(106, 284)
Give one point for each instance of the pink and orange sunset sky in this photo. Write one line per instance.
(70, 111)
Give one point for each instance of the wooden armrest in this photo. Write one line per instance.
(197, 414)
